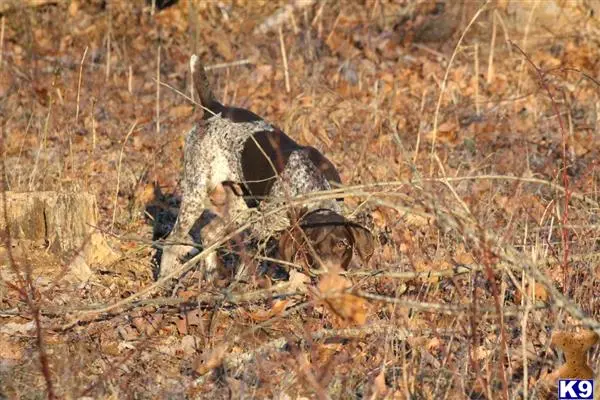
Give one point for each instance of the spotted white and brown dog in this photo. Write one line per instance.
(233, 159)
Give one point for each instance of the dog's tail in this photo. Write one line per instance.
(202, 86)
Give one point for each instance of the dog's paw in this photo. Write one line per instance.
(171, 259)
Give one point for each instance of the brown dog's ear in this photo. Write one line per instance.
(363, 241)
(288, 245)
(292, 239)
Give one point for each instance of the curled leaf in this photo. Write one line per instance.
(347, 306)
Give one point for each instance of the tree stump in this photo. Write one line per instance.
(64, 222)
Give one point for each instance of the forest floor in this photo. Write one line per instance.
(479, 125)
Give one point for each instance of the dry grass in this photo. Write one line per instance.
(485, 247)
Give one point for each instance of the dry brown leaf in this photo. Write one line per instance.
(480, 353)
(298, 281)
(350, 308)
(322, 135)
(380, 217)
(210, 360)
(424, 265)
(538, 291)
(181, 325)
(10, 348)
(111, 348)
(261, 73)
(264, 315)
(461, 256)
(181, 111)
(191, 318)
(173, 17)
(307, 136)
(447, 133)
(224, 46)
(73, 8)
(128, 333)
(140, 324)
(190, 344)
(187, 294)
(338, 43)
(194, 318)
(380, 389)
(333, 283)
(145, 194)
(417, 341)
(434, 344)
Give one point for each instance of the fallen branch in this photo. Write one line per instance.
(460, 269)
(439, 308)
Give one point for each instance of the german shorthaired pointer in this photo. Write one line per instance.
(233, 160)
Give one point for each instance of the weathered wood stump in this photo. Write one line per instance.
(64, 222)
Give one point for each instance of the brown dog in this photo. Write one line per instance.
(235, 147)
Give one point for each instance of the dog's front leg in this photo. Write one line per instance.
(192, 206)
(211, 233)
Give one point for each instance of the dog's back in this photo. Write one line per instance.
(266, 154)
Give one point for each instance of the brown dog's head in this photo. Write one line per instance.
(332, 240)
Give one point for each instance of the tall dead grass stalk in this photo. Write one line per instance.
(114, 214)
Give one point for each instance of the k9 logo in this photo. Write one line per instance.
(575, 389)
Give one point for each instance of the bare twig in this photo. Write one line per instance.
(476, 56)
(285, 63)
(490, 71)
(158, 90)
(79, 84)
(277, 18)
(130, 79)
(235, 361)
(565, 175)
(445, 81)
(2, 22)
(108, 41)
(237, 63)
(524, 45)
(41, 148)
(114, 215)
(438, 308)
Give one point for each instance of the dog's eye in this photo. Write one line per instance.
(342, 244)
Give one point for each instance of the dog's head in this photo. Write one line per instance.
(325, 237)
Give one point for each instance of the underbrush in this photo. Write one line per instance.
(472, 157)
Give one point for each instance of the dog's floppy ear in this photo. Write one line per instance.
(292, 239)
(363, 241)
(289, 243)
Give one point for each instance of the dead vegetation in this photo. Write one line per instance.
(466, 134)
